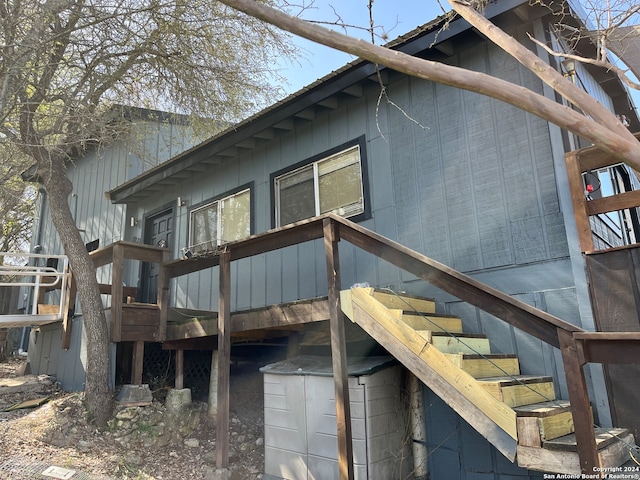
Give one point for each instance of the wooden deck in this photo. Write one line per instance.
(577, 347)
(188, 329)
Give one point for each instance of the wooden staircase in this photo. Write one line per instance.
(519, 414)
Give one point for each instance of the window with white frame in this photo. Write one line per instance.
(331, 184)
(221, 221)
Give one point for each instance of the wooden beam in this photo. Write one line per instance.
(163, 296)
(116, 293)
(286, 124)
(105, 289)
(137, 251)
(137, 362)
(338, 352)
(331, 102)
(445, 47)
(580, 406)
(179, 369)
(273, 316)
(306, 114)
(579, 201)
(224, 359)
(247, 143)
(614, 203)
(354, 90)
(610, 347)
(267, 134)
(299, 232)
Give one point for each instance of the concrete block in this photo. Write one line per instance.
(135, 395)
(177, 399)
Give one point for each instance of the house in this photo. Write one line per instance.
(467, 192)
(100, 223)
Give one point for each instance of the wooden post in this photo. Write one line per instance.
(576, 186)
(213, 385)
(573, 361)
(338, 352)
(116, 293)
(163, 297)
(179, 369)
(138, 357)
(293, 345)
(224, 358)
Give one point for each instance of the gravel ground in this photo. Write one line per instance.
(58, 433)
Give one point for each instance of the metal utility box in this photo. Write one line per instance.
(300, 419)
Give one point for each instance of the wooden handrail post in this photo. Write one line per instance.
(573, 361)
(574, 173)
(163, 296)
(117, 273)
(224, 357)
(338, 352)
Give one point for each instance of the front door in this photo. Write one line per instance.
(159, 232)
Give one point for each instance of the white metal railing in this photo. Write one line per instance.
(33, 277)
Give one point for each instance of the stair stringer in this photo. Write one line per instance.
(493, 419)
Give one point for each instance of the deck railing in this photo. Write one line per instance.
(22, 270)
(586, 160)
(577, 346)
(117, 254)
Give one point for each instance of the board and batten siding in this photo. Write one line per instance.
(469, 183)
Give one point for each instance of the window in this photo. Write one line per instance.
(334, 183)
(606, 182)
(221, 221)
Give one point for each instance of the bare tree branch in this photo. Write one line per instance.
(622, 74)
(542, 70)
(612, 141)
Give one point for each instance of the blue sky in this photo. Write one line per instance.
(396, 17)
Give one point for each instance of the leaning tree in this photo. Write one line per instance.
(65, 65)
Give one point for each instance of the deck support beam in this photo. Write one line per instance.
(573, 360)
(137, 362)
(179, 369)
(338, 352)
(163, 296)
(213, 385)
(116, 294)
(224, 358)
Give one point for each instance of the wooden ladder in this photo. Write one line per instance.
(519, 414)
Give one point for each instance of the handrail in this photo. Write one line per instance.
(585, 160)
(530, 319)
(523, 316)
(542, 325)
(42, 277)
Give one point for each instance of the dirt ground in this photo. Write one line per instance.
(59, 434)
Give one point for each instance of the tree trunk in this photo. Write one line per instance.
(59, 188)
